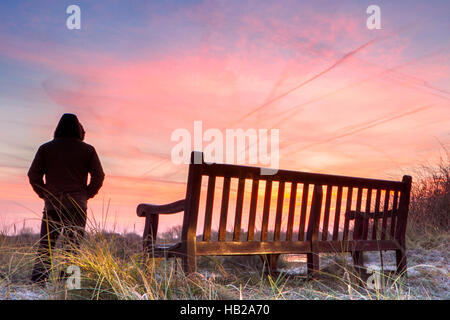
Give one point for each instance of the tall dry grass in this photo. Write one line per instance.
(113, 267)
(430, 199)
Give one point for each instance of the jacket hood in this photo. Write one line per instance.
(69, 127)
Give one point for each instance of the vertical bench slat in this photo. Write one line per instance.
(385, 212)
(279, 212)
(301, 228)
(224, 209)
(209, 208)
(365, 221)
(357, 226)
(266, 210)
(337, 213)
(326, 213)
(312, 233)
(348, 207)
(375, 219)
(252, 213)
(394, 214)
(292, 200)
(238, 215)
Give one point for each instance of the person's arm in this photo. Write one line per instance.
(97, 175)
(36, 173)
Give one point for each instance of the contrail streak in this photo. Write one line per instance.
(370, 124)
(291, 111)
(334, 65)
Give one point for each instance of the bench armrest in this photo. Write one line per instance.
(144, 209)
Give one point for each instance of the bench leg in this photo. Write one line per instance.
(358, 261)
(189, 264)
(313, 264)
(358, 258)
(400, 256)
(150, 231)
(189, 258)
(270, 261)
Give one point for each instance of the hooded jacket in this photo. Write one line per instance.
(66, 162)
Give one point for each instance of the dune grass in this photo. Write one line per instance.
(112, 267)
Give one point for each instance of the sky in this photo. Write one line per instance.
(346, 99)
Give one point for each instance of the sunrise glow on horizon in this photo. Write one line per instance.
(346, 100)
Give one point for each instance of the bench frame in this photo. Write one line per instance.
(311, 243)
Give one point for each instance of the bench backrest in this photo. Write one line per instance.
(295, 206)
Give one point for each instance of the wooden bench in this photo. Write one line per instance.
(313, 213)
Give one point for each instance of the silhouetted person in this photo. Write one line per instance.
(65, 162)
